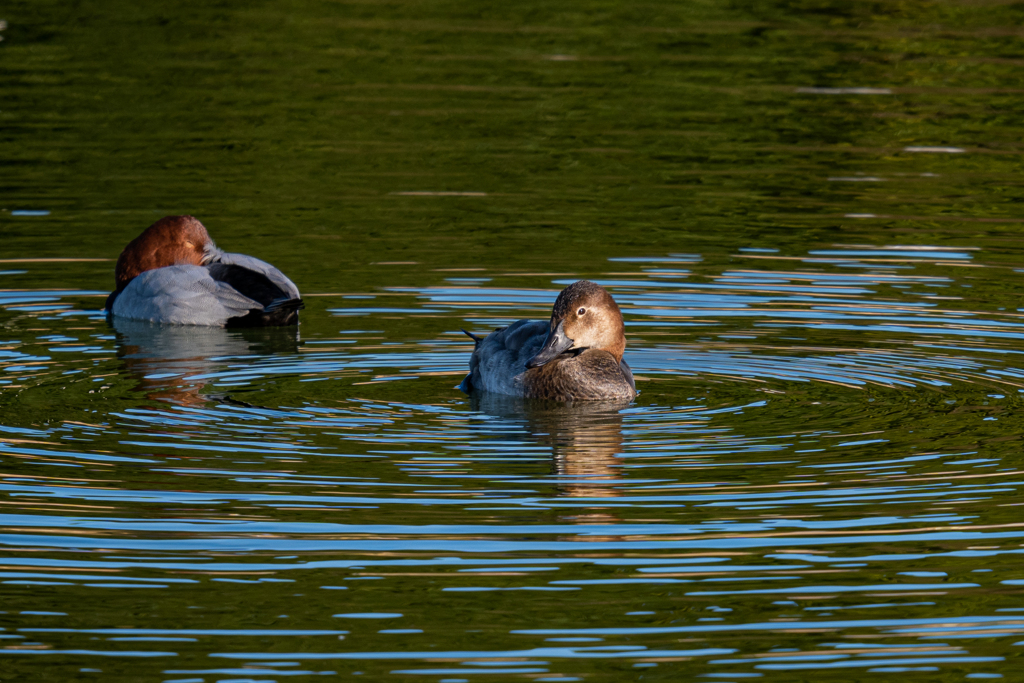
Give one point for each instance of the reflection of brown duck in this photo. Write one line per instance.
(171, 361)
(584, 437)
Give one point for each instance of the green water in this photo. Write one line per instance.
(808, 212)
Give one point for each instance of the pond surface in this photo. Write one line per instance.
(809, 212)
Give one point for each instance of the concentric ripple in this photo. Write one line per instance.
(819, 475)
(809, 213)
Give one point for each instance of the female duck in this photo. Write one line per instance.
(174, 273)
(575, 356)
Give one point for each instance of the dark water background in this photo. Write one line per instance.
(809, 212)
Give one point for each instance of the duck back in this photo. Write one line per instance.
(500, 357)
(181, 295)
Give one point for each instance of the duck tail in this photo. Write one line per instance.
(278, 312)
(284, 304)
(476, 339)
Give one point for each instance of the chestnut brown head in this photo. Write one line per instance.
(584, 317)
(173, 240)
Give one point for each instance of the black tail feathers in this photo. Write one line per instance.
(476, 339)
(286, 304)
(277, 313)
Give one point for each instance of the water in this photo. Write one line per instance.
(808, 213)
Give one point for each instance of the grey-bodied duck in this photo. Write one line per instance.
(576, 356)
(173, 273)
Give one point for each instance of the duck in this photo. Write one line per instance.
(576, 356)
(173, 273)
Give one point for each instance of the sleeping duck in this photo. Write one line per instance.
(174, 273)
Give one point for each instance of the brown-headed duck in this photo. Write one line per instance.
(174, 273)
(576, 356)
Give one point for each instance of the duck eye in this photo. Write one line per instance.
(581, 311)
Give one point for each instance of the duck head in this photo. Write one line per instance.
(584, 317)
(171, 241)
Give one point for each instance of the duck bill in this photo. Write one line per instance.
(555, 345)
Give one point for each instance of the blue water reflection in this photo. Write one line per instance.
(806, 445)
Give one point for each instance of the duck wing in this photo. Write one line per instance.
(260, 282)
(501, 356)
(182, 295)
(251, 263)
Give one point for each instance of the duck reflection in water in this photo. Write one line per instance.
(173, 362)
(585, 438)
